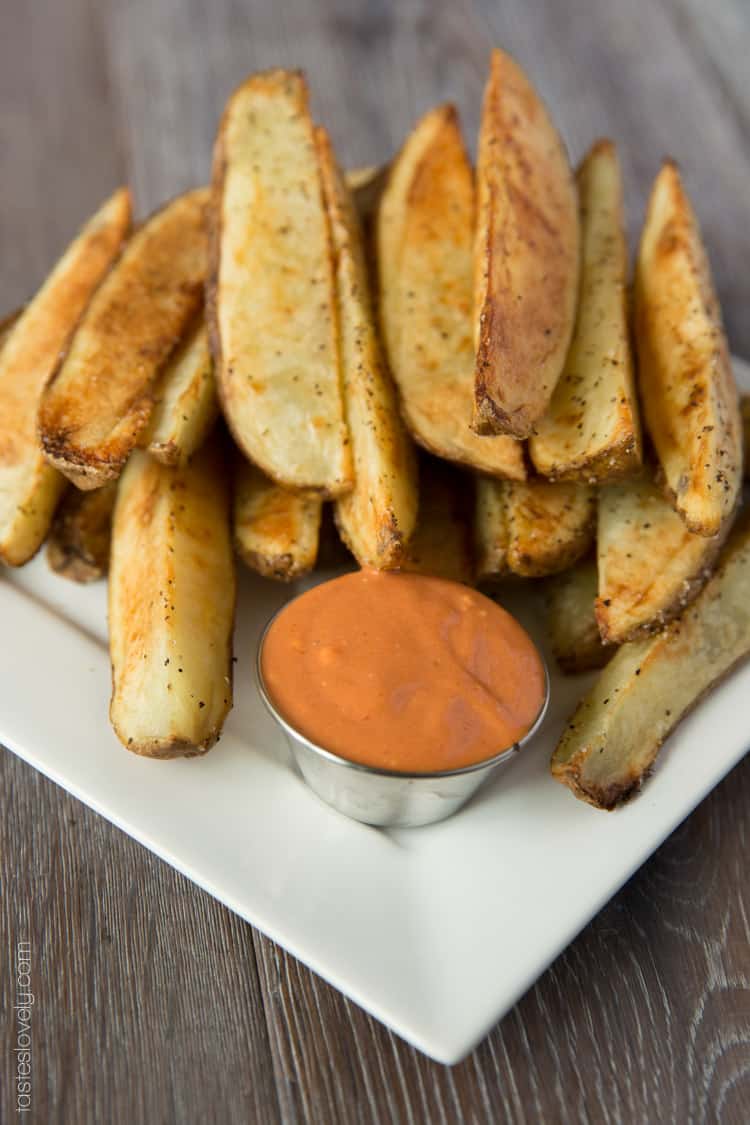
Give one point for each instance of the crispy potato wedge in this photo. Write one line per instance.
(491, 535)
(171, 605)
(591, 431)
(573, 630)
(99, 399)
(441, 543)
(378, 516)
(550, 525)
(185, 403)
(275, 531)
(271, 296)
(78, 543)
(425, 245)
(690, 401)
(612, 740)
(29, 486)
(526, 255)
(650, 565)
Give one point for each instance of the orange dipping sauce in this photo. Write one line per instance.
(403, 672)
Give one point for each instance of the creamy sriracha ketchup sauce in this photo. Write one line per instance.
(403, 672)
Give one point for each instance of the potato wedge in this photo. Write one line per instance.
(185, 403)
(275, 531)
(611, 742)
(690, 401)
(78, 543)
(99, 399)
(550, 525)
(29, 486)
(441, 543)
(573, 630)
(171, 605)
(526, 255)
(592, 431)
(425, 245)
(650, 565)
(378, 516)
(271, 296)
(491, 535)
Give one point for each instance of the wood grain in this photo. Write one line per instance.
(154, 1003)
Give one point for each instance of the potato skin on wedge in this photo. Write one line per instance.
(171, 605)
(185, 400)
(650, 564)
(271, 294)
(574, 634)
(29, 486)
(526, 255)
(99, 399)
(591, 431)
(687, 387)
(378, 516)
(425, 246)
(276, 531)
(612, 740)
(79, 539)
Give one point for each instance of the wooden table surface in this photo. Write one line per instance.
(155, 1003)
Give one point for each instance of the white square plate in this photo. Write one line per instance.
(436, 931)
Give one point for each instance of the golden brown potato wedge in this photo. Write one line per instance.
(549, 526)
(99, 399)
(690, 401)
(271, 296)
(78, 543)
(441, 543)
(378, 516)
(171, 605)
(650, 565)
(591, 431)
(275, 531)
(526, 255)
(29, 486)
(425, 245)
(573, 631)
(612, 740)
(491, 536)
(185, 401)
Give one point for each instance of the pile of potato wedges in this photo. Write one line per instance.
(451, 358)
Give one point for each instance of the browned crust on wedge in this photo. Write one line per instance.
(550, 526)
(425, 244)
(651, 566)
(690, 401)
(591, 432)
(276, 532)
(611, 743)
(99, 399)
(526, 255)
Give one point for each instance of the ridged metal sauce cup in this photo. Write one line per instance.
(382, 797)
